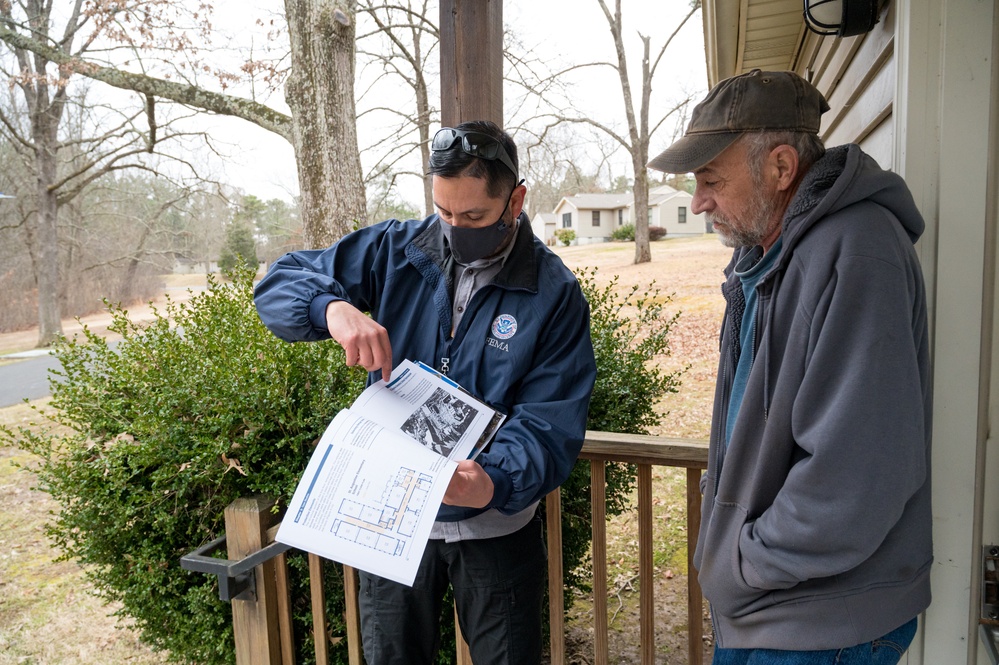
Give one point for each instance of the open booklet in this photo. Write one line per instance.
(370, 493)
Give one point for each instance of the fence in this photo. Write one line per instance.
(255, 577)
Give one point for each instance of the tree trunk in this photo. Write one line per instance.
(46, 229)
(44, 102)
(45, 114)
(643, 254)
(320, 93)
(640, 136)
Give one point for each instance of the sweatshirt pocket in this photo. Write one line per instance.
(720, 571)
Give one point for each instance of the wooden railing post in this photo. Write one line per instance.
(255, 622)
(598, 511)
(462, 652)
(318, 609)
(695, 604)
(351, 582)
(646, 597)
(556, 601)
(284, 603)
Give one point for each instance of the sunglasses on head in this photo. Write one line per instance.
(475, 144)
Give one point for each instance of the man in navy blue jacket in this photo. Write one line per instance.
(472, 292)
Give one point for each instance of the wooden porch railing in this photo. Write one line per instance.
(263, 626)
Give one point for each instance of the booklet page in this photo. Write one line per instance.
(431, 409)
(368, 498)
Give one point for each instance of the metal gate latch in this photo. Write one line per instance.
(236, 578)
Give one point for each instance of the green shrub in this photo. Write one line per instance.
(629, 335)
(166, 430)
(565, 236)
(624, 233)
(148, 442)
(657, 232)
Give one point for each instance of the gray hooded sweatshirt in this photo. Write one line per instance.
(816, 524)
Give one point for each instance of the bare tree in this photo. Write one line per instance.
(45, 99)
(319, 89)
(400, 50)
(63, 164)
(639, 127)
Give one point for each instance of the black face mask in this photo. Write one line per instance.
(471, 244)
(468, 244)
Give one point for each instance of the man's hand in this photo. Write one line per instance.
(470, 486)
(364, 341)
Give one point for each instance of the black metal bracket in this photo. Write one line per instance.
(988, 622)
(236, 578)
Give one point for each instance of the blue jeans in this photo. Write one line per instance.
(885, 650)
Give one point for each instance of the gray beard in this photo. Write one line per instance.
(763, 209)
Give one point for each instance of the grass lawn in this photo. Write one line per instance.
(48, 614)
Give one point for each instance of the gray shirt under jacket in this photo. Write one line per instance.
(467, 279)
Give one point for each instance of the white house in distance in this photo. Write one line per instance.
(594, 217)
(543, 224)
(670, 209)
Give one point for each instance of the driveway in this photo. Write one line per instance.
(28, 378)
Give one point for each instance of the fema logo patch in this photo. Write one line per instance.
(504, 326)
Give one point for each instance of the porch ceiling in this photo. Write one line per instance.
(741, 35)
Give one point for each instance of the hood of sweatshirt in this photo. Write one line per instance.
(843, 176)
(846, 175)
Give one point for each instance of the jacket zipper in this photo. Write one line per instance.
(445, 360)
(757, 324)
(446, 357)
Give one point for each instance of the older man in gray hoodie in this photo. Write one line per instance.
(815, 542)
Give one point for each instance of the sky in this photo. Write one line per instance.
(262, 163)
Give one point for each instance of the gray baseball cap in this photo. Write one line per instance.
(752, 102)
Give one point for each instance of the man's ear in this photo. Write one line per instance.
(783, 162)
(517, 200)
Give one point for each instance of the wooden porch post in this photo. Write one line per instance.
(255, 622)
(471, 48)
(471, 61)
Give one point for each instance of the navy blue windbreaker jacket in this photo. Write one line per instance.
(523, 345)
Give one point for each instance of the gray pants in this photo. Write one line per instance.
(498, 588)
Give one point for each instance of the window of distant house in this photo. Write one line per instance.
(681, 215)
(620, 218)
(566, 220)
(650, 216)
(596, 218)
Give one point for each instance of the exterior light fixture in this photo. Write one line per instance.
(842, 18)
